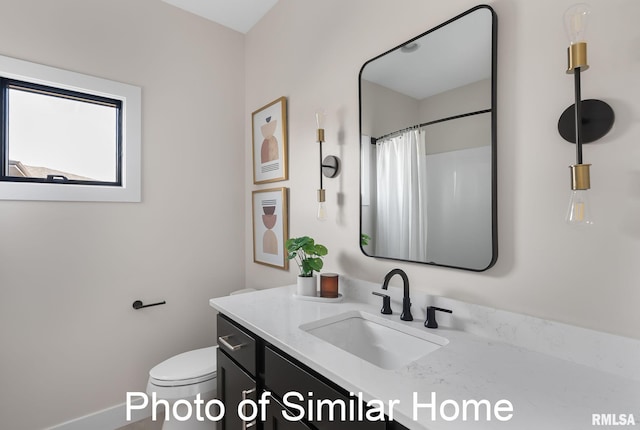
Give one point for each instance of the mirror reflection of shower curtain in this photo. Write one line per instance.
(401, 227)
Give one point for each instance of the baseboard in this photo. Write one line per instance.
(106, 419)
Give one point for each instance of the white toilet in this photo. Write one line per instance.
(182, 378)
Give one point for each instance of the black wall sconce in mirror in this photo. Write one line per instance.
(586, 120)
(329, 167)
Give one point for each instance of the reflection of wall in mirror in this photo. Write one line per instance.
(368, 198)
(469, 98)
(385, 111)
(460, 133)
(467, 132)
(459, 212)
(459, 176)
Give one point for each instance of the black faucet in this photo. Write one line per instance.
(406, 301)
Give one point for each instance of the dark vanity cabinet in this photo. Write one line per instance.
(249, 366)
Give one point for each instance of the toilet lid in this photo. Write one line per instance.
(188, 365)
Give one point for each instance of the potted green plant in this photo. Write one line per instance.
(364, 239)
(308, 256)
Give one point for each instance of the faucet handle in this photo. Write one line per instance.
(431, 316)
(386, 303)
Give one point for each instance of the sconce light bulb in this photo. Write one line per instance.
(579, 212)
(322, 211)
(576, 19)
(320, 118)
(322, 208)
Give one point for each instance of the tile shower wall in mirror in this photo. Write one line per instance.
(427, 120)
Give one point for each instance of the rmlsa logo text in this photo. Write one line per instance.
(613, 420)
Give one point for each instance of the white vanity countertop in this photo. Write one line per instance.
(546, 392)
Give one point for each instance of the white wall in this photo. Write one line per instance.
(312, 51)
(70, 342)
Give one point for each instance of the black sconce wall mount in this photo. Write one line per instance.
(586, 120)
(329, 167)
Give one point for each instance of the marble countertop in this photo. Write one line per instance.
(547, 385)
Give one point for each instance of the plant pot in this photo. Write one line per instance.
(307, 286)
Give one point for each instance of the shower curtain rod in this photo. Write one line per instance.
(374, 139)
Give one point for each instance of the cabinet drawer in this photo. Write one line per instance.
(237, 344)
(282, 376)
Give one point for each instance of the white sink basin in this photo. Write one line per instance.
(386, 344)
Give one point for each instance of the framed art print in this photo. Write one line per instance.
(270, 227)
(269, 141)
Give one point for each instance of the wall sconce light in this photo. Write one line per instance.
(586, 120)
(329, 167)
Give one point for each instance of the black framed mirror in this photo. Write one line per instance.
(428, 146)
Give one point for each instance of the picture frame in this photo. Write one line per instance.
(269, 142)
(270, 215)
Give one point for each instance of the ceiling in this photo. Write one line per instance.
(239, 15)
(455, 55)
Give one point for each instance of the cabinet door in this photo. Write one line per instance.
(394, 425)
(281, 375)
(276, 421)
(234, 385)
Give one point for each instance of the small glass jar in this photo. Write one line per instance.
(329, 285)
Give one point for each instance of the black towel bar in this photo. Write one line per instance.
(138, 304)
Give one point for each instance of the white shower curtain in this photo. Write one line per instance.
(402, 196)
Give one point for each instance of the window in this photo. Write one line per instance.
(56, 135)
(67, 136)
